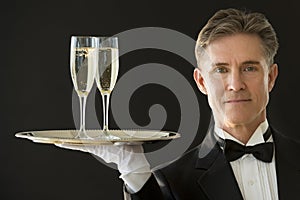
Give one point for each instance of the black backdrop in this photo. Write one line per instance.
(37, 89)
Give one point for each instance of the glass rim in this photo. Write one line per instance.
(83, 36)
(95, 41)
(95, 36)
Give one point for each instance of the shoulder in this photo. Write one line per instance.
(190, 165)
(178, 178)
(286, 148)
(187, 160)
(179, 169)
(283, 139)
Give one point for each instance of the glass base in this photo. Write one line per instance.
(106, 135)
(82, 134)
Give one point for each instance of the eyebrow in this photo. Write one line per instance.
(252, 62)
(248, 62)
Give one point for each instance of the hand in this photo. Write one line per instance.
(130, 159)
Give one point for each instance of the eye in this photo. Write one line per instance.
(221, 70)
(250, 69)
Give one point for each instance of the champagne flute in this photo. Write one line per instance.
(83, 61)
(106, 74)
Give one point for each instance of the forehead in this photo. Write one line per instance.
(235, 48)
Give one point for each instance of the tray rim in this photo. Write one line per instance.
(82, 141)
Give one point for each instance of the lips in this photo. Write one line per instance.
(237, 100)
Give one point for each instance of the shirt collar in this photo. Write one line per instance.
(256, 138)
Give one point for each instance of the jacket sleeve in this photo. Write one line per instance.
(154, 188)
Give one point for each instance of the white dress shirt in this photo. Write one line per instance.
(256, 179)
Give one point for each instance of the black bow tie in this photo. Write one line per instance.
(262, 151)
(234, 150)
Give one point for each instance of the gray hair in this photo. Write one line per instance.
(231, 21)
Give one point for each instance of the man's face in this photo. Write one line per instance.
(236, 79)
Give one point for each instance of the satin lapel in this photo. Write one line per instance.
(287, 155)
(218, 180)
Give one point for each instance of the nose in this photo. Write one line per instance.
(236, 81)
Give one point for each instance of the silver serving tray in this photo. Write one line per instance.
(97, 136)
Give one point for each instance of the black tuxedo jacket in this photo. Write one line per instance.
(204, 173)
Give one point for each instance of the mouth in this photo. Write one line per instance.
(238, 101)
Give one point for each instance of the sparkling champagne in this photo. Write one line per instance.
(107, 70)
(83, 66)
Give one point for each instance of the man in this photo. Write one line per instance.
(242, 156)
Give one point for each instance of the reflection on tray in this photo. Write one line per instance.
(98, 137)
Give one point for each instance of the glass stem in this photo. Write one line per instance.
(82, 102)
(105, 101)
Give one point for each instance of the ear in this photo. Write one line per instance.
(273, 73)
(199, 81)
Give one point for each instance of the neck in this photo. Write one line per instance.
(241, 132)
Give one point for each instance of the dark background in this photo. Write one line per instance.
(37, 88)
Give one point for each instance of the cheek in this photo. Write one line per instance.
(215, 86)
(260, 92)
(216, 94)
(264, 95)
